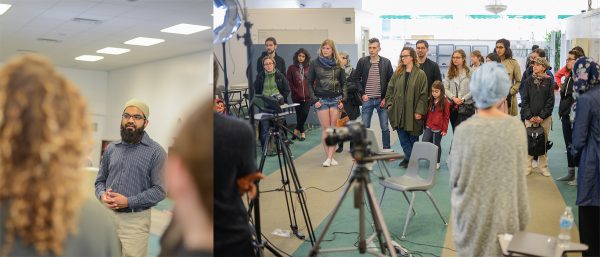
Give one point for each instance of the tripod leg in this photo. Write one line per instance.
(379, 217)
(315, 250)
(285, 171)
(359, 202)
(299, 193)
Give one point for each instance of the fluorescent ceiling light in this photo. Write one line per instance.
(184, 29)
(113, 50)
(144, 41)
(4, 8)
(89, 58)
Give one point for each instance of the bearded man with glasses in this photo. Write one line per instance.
(130, 181)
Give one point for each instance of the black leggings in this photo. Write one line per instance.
(301, 115)
(567, 129)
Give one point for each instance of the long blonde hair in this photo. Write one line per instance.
(44, 135)
(453, 70)
(335, 53)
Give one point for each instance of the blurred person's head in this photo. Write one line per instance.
(134, 121)
(344, 59)
(270, 45)
(476, 58)
(302, 57)
(540, 65)
(328, 50)
(408, 58)
(422, 48)
(489, 85)
(578, 48)
(374, 47)
(44, 140)
(573, 55)
(533, 47)
(189, 177)
(492, 57)
(502, 49)
(459, 62)
(269, 64)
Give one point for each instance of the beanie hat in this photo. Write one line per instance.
(140, 105)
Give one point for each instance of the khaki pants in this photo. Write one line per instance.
(133, 229)
(543, 159)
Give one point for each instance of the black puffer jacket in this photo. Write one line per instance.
(537, 100)
(325, 81)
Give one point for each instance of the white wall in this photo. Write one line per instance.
(285, 25)
(170, 87)
(93, 86)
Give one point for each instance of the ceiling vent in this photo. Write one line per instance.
(86, 20)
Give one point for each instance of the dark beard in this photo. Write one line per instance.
(131, 137)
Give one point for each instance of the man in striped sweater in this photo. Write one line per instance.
(130, 179)
(374, 72)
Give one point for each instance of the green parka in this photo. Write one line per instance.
(403, 101)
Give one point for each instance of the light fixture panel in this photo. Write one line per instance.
(89, 58)
(113, 50)
(185, 29)
(144, 41)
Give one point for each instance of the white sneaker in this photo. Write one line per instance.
(437, 166)
(387, 150)
(333, 162)
(327, 163)
(534, 164)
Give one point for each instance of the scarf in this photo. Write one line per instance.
(586, 73)
(328, 62)
(537, 79)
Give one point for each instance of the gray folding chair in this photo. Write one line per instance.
(412, 182)
(376, 151)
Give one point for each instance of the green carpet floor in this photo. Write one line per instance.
(426, 232)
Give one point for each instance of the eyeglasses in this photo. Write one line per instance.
(135, 117)
(499, 47)
(404, 56)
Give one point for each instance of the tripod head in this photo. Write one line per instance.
(356, 133)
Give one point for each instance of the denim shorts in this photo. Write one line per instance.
(328, 102)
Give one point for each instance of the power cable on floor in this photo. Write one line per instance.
(336, 189)
(273, 245)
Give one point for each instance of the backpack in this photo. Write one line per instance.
(536, 141)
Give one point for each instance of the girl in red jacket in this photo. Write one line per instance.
(438, 117)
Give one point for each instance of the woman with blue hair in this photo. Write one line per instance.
(586, 148)
(489, 155)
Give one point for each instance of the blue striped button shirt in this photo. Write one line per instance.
(133, 170)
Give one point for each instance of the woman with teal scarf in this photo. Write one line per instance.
(326, 80)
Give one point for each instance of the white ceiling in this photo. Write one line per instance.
(28, 20)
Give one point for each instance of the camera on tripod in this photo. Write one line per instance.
(356, 133)
(269, 104)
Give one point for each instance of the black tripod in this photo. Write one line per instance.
(289, 176)
(362, 188)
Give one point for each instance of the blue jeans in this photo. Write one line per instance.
(367, 113)
(406, 141)
(435, 138)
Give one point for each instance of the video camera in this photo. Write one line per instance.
(356, 133)
(269, 104)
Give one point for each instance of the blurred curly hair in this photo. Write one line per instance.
(44, 136)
